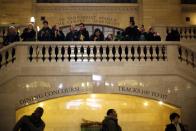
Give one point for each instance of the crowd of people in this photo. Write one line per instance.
(131, 33)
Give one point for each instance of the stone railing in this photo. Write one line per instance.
(187, 33)
(30, 52)
(7, 55)
(187, 55)
(99, 51)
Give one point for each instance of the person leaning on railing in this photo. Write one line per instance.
(45, 34)
(12, 36)
(57, 34)
(72, 35)
(97, 35)
(83, 34)
(29, 33)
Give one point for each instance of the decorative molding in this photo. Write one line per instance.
(85, 8)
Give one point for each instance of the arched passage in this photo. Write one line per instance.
(67, 113)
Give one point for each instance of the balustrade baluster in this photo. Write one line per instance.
(63, 53)
(43, 53)
(82, 52)
(107, 53)
(95, 53)
(101, 53)
(114, 53)
(151, 53)
(56, 53)
(163, 52)
(139, 52)
(30, 53)
(69, 53)
(88, 52)
(126, 53)
(145, 53)
(132, 53)
(75, 53)
(120, 52)
(157, 53)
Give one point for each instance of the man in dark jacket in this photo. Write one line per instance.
(45, 34)
(72, 35)
(31, 123)
(175, 124)
(83, 34)
(131, 32)
(110, 123)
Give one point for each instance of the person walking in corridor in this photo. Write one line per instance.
(110, 123)
(32, 122)
(175, 125)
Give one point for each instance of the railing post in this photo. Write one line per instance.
(172, 54)
(21, 55)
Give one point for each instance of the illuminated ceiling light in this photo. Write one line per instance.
(41, 104)
(146, 104)
(93, 95)
(160, 103)
(96, 77)
(87, 84)
(32, 19)
(27, 86)
(38, 29)
(83, 84)
(168, 91)
(107, 84)
(60, 85)
(112, 84)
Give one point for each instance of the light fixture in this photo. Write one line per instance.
(160, 103)
(41, 104)
(96, 77)
(93, 95)
(27, 86)
(38, 28)
(107, 84)
(60, 85)
(83, 84)
(32, 19)
(145, 103)
(87, 84)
